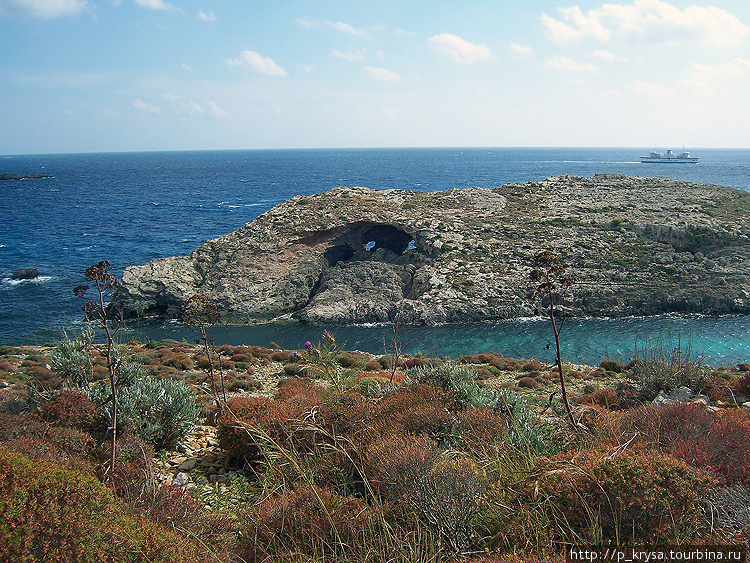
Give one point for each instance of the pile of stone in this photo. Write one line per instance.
(198, 461)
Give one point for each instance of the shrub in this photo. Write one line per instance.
(414, 409)
(633, 496)
(71, 358)
(53, 514)
(274, 417)
(458, 382)
(533, 365)
(443, 489)
(373, 366)
(479, 427)
(602, 397)
(160, 411)
(528, 382)
(615, 366)
(718, 443)
(744, 367)
(310, 520)
(72, 408)
(280, 356)
(741, 385)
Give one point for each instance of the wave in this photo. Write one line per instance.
(10, 282)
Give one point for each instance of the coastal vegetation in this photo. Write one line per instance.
(328, 454)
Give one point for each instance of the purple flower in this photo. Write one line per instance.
(308, 345)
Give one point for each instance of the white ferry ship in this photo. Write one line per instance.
(670, 157)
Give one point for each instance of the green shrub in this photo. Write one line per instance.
(53, 514)
(458, 381)
(159, 411)
(615, 366)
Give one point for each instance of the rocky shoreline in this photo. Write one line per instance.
(637, 246)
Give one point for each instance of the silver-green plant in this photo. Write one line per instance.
(71, 358)
(159, 411)
(459, 380)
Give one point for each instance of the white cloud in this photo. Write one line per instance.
(520, 51)
(215, 111)
(158, 5)
(43, 8)
(607, 56)
(341, 27)
(141, 105)
(257, 63)
(353, 56)
(206, 16)
(186, 67)
(569, 65)
(458, 48)
(652, 90)
(706, 79)
(653, 21)
(182, 105)
(382, 74)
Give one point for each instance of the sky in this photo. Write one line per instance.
(142, 75)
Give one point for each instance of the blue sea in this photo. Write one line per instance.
(129, 208)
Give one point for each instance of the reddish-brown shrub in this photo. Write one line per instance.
(718, 443)
(743, 367)
(507, 364)
(479, 358)
(533, 365)
(414, 409)
(6, 367)
(741, 385)
(528, 382)
(308, 520)
(240, 358)
(373, 366)
(415, 362)
(71, 408)
(40, 373)
(299, 391)
(480, 427)
(393, 463)
(344, 413)
(717, 389)
(280, 356)
(603, 397)
(52, 514)
(635, 495)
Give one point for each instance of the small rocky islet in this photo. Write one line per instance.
(636, 246)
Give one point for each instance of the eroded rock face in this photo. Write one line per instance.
(638, 246)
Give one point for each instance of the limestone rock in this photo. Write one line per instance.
(637, 246)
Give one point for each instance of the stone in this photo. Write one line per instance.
(356, 255)
(181, 479)
(25, 274)
(682, 394)
(746, 406)
(189, 464)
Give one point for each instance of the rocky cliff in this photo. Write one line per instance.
(637, 246)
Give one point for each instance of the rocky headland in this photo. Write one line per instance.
(637, 246)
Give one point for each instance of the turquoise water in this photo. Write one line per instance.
(714, 341)
(129, 208)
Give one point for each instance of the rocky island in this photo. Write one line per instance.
(637, 246)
